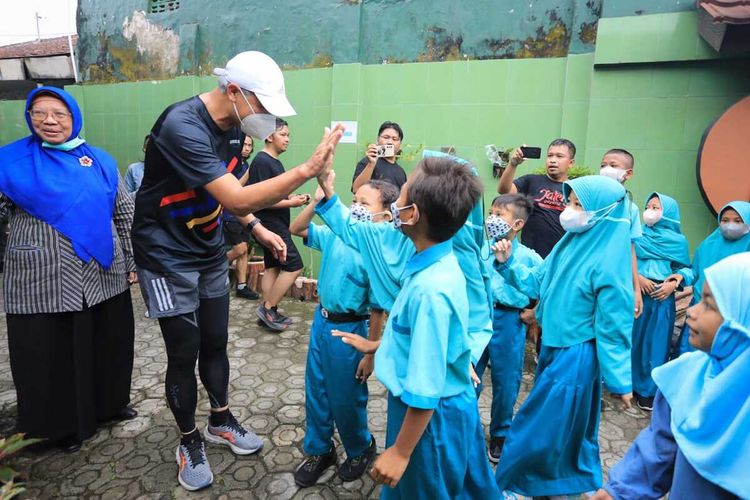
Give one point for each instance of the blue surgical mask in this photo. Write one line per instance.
(65, 146)
(360, 213)
(396, 214)
(497, 228)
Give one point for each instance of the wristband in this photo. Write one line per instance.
(253, 223)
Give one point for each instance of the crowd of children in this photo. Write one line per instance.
(425, 260)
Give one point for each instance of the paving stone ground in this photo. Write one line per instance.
(135, 459)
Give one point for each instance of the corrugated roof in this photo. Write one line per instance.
(47, 47)
(727, 11)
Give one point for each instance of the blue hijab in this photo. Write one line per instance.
(709, 393)
(586, 288)
(716, 247)
(664, 240)
(71, 187)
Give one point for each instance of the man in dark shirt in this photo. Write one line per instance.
(385, 168)
(278, 277)
(179, 249)
(236, 233)
(543, 230)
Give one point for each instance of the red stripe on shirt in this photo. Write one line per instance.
(232, 165)
(210, 227)
(174, 198)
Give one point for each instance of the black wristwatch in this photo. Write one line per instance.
(252, 224)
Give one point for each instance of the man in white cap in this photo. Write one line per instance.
(178, 243)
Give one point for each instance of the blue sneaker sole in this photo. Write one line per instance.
(190, 487)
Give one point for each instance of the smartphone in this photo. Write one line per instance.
(386, 150)
(531, 152)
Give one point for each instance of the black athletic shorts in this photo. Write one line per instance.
(293, 258)
(235, 232)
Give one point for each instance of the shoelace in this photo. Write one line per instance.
(312, 462)
(234, 425)
(195, 452)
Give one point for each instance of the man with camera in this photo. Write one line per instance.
(379, 162)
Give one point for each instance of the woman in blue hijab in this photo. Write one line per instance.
(585, 291)
(68, 266)
(730, 237)
(698, 444)
(663, 263)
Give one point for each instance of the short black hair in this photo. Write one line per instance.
(564, 142)
(388, 192)
(521, 205)
(281, 123)
(623, 152)
(395, 126)
(445, 191)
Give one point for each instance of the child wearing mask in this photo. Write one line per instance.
(505, 351)
(585, 303)
(336, 374)
(663, 263)
(618, 164)
(434, 438)
(731, 237)
(697, 445)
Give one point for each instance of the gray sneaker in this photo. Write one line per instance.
(269, 319)
(232, 434)
(194, 471)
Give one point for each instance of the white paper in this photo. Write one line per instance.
(350, 134)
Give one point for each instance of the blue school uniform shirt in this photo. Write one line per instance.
(636, 231)
(343, 285)
(504, 293)
(385, 251)
(663, 250)
(424, 354)
(584, 290)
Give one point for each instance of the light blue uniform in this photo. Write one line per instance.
(586, 312)
(698, 445)
(385, 251)
(332, 393)
(636, 230)
(506, 348)
(662, 251)
(423, 361)
(714, 248)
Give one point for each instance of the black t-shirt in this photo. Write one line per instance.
(230, 149)
(384, 171)
(176, 221)
(264, 167)
(543, 230)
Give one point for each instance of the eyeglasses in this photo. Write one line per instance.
(390, 138)
(58, 115)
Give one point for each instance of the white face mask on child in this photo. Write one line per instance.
(733, 230)
(617, 174)
(497, 228)
(651, 216)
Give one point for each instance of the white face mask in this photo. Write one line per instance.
(733, 230)
(360, 213)
(617, 174)
(578, 221)
(651, 216)
(258, 125)
(497, 228)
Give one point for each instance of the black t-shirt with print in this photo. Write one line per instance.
(176, 222)
(384, 171)
(543, 230)
(262, 168)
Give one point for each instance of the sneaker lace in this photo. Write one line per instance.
(235, 426)
(195, 452)
(312, 462)
(354, 462)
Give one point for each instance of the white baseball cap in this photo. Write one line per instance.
(258, 73)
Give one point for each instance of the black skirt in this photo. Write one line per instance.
(72, 370)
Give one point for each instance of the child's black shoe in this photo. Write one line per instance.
(495, 449)
(312, 467)
(353, 468)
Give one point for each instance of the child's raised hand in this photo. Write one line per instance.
(357, 341)
(319, 194)
(502, 250)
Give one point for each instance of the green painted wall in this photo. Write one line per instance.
(657, 111)
(123, 41)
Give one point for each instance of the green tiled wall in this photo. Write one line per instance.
(659, 112)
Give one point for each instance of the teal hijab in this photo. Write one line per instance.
(664, 240)
(716, 246)
(709, 393)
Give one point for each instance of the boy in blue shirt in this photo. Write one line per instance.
(505, 351)
(336, 374)
(435, 447)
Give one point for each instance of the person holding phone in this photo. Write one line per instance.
(382, 166)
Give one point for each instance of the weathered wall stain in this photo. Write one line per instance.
(121, 41)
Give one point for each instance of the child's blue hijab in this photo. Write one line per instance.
(716, 246)
(709, 394)
(664, 240)
(71, 187)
